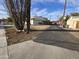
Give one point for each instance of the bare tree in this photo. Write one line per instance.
(19, 10)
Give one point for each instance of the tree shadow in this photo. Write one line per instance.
(63, 44)
(59, 39)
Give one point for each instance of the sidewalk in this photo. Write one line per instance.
(3, 44)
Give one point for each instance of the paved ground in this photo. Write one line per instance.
(48, 45)
(3, 44)
(76, 34)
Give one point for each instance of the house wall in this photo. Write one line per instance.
(38, 19)
(31, 22)
(73, 23)
(36, 22)
(77, 26)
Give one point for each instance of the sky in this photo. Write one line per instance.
(51, 9)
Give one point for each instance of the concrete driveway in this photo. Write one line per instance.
(48, 45)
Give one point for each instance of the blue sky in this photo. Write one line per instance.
(52, 9)
(3, 13)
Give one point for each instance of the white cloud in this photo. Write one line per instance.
(38, 12)
(2, 7)
(45, 13)
(70, 2)
(72, 10)
(3, 14)
(3, 11)
(41, 1)
(54, 15)
(34, 11)
(42, 12)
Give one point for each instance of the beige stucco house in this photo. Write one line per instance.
(73, 22)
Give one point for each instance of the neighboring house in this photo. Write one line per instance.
(54, 22)
(2, 21)
(73, 22)
(37, 20)
(31, 22)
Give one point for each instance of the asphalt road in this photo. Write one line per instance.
(48, 45)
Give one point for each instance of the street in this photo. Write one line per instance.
(47, 45)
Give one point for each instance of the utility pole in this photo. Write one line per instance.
(64, 12)
(65, 6)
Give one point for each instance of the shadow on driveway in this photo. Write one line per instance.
(63, 44)
(59, 39)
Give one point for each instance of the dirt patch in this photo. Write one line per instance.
(13, 37)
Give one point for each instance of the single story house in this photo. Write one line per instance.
(37, 20)
(3, 21)
(73, 22)
(31, 22)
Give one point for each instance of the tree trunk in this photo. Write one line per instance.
(19, 10)
(28, 15)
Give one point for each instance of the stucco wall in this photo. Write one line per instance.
(73, 22)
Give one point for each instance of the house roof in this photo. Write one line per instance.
(38, 18)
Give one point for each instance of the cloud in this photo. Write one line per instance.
(39, 12)
(54, 15)
(3, 11)
(41, 1)
(36, 1)
(2, 7)
(42, 12)
(3, 14)
(70, 2)
(34, 11)
(72, 10)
